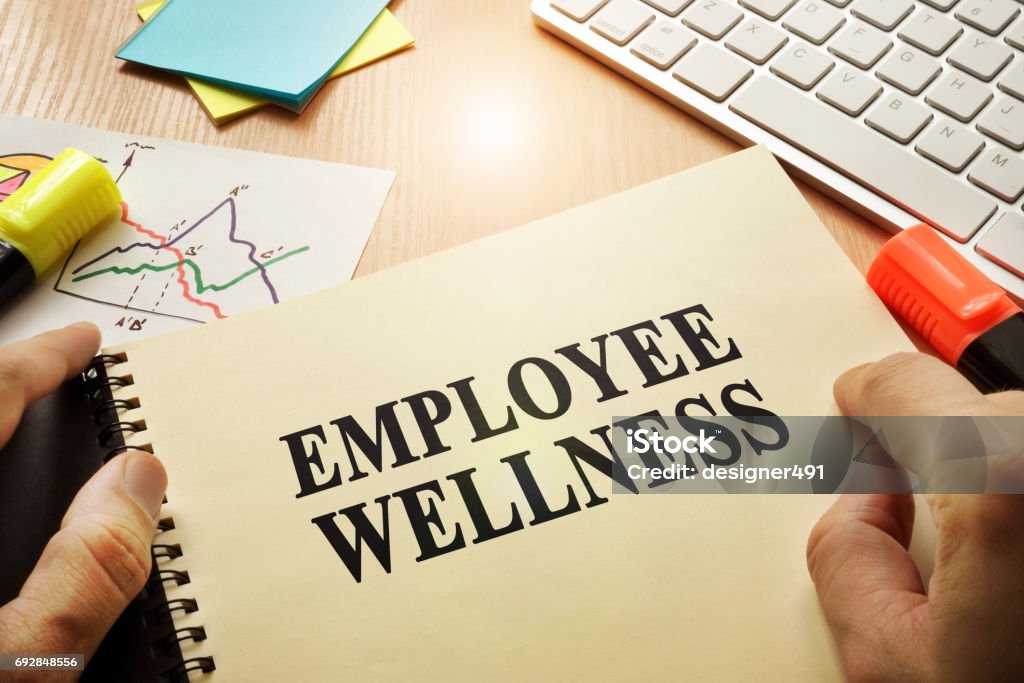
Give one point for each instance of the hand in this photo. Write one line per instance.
(100, 559)
(967, 625)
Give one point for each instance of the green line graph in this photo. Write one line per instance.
(200, 285)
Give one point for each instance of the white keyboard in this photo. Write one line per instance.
(907, 111)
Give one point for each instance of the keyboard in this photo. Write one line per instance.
(906, 111)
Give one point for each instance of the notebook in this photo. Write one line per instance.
(404, 477)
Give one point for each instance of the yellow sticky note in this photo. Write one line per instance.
(384, 37)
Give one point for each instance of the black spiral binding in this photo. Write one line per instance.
(158, 610)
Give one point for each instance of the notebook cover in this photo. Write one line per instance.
(51, 455)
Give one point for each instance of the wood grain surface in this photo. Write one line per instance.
(489, 121)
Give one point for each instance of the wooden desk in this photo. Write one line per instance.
(490, 122)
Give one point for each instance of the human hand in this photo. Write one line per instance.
(967, 625)
(100, 559)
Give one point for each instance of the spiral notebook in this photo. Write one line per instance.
(406, 477)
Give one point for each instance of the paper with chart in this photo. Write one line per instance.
(204, 233)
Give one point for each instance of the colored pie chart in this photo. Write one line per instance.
(15, 169)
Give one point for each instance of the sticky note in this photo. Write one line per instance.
(281, 51)
(385, 36)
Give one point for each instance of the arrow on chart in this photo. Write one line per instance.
(127, 165)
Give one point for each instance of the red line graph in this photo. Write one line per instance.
(180, 270)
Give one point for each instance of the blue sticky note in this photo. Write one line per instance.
(282, 50)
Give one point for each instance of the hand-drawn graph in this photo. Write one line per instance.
(15, 169)
(199, 270)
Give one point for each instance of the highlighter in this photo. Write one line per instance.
(44, 218)
(966, 317)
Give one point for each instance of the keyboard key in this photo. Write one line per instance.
(981, 57)
(840, 3)
(1015, 36)
(713, 18)
(929, 193)
(931, 31)
(950, 146)
(860, 45)
(769, 9)
(941, 5)
(669, 7)
(1013, 80)
(1004, 243)
(959, 96)
(663, 43)
(1001, 173)
(1004, 121)
(899, 117)
(621, 20)
(757, 40)
(850, 91)
(814, 21)
(884, 14)
(580, 10)
(909, 70)
(802, 65)
(712, 71)
(990, 16)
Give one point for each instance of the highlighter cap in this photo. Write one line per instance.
(937, 291)
(57, 206)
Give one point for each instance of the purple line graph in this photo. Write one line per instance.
(201, 271)
(231, 236)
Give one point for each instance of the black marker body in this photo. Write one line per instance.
(16, 272)
(994, 361)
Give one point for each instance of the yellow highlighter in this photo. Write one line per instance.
(44, 218)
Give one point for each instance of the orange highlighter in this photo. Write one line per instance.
(966, 317)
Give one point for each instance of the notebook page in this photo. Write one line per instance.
(578, 583)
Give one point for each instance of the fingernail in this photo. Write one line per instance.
(145, 481)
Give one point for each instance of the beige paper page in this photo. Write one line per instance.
(639, 587)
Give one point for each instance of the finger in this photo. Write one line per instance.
(869, 588)
(33, 368)
(977, 581)
(94, 566)
(1011, 401)
(907, 384)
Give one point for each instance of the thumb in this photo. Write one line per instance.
(94, 566)
(907, 384)
(870, 590)
(949, 448)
